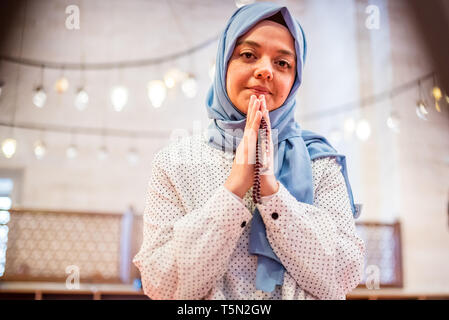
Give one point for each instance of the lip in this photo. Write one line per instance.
(259, 90)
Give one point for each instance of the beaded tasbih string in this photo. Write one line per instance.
(260, 166)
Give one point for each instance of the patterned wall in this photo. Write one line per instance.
(41, 245)
(383, 258)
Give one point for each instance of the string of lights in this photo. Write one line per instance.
(153, 134)
(367, 101)
(108, 132)
(361, 128)
(108, 65)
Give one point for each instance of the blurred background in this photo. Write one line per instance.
(91, 90)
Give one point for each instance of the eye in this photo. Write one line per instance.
(284, 64)
(247, 55)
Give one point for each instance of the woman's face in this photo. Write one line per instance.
(264, 57)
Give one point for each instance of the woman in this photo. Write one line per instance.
(204, 237)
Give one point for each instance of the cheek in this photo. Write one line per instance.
(235, 75)
(284, 92)
(283, 89)
(230, 80)
(235, 81)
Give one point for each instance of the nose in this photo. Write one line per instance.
(264, 70)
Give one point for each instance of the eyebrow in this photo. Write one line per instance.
(255, 44)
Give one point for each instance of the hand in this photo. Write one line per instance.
(241, 177)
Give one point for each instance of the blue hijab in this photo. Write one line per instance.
(296, 148)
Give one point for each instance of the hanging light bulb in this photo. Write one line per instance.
(169, 81)
(9, 146)
(4, 215)
(103, 153)
(421, 110)
(71, 152)
(172, 77)
(61, 85)
(241, 3)
(190, 86)
(212, 71)
(2, 84)
(81, 99)
(363, 130)
(447, 98)
(3, 248)
(157, 92)
(4, 234)
(393, 122)
(40, 149)
(436, 92)
(119, 97)
(39, 97)
(133, 156)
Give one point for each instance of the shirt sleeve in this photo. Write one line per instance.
(184, 254)
(317, 244)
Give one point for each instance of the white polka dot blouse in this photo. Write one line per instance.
(196, 232)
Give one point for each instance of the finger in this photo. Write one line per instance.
(256, 122)
(266, 113)
(254, 109)
(257, 105)
(248, 112)
(266, 116)
(264, 102)
(263, 105)
(267, 120)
